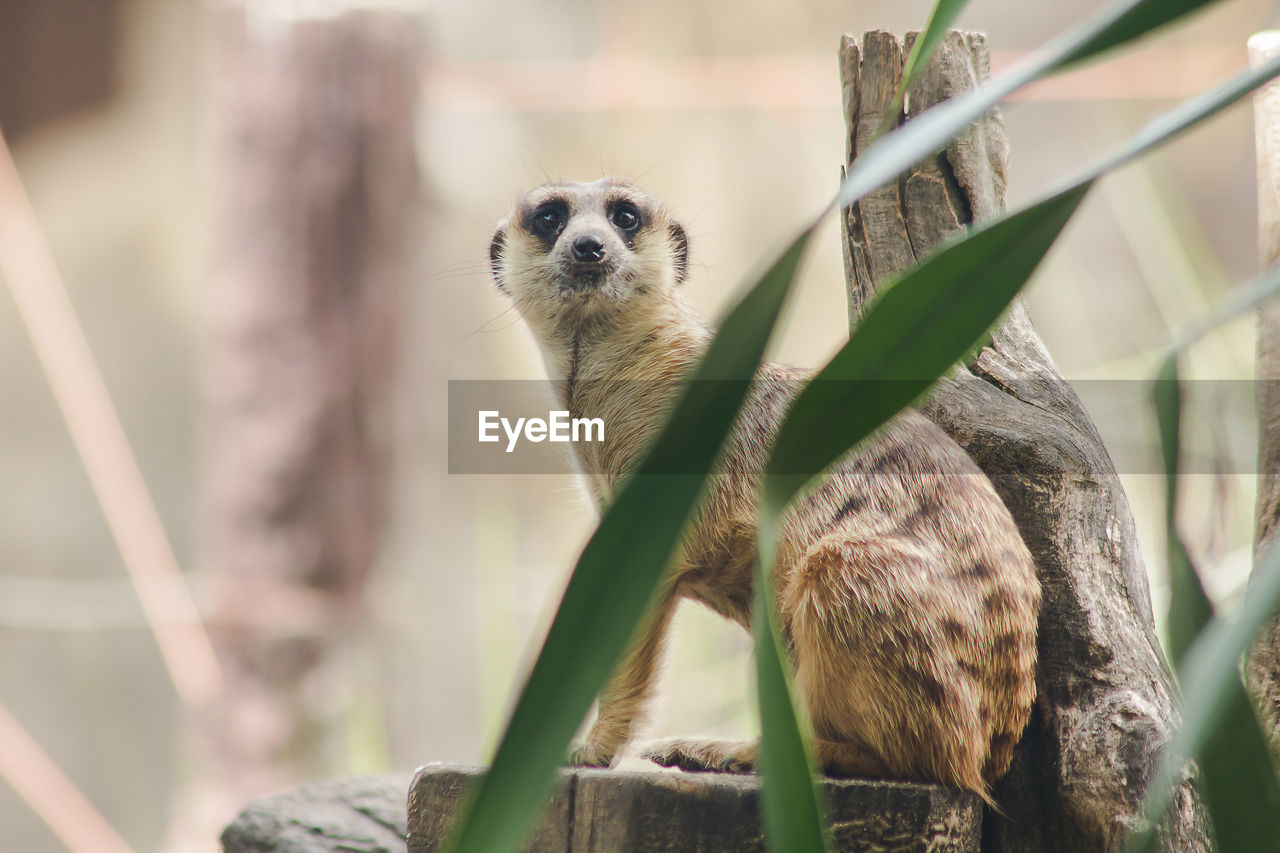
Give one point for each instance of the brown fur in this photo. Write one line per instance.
(906, 594)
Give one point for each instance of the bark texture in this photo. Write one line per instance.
(335, 816)
(315, 191)
(607, 811)
(1106, 701)
(1262, 670)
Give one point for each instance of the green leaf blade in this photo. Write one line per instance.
(917, 329)
(1189, 607)
(1212, 662)
(1239, 780)
(1187, 114)
(1239, 784)
(896, 152)
(1126, 22)
(1210, 674)
(789, 794)
(885, 344)
(1219, 727)
(914, 331)
(619, 570)
(941, 17)
(911, 334)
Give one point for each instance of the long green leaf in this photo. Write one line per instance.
(1190, 112)
(920, 324)
(1238, 781)
(940, 18)
(1220, 728)
(1244, 298)
(896, 152)
(1126, 22)
(912, 333)
(619, 570)
(1211, 718)
(1189, 607)
(909, 337)
(791, 803)
(895, 353)
(1212, 664)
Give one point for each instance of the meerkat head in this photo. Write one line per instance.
(576, 253)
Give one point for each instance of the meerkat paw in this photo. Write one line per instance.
(589, 755)
(724, 756)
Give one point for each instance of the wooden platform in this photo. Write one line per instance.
(600, 811)
(610, 811)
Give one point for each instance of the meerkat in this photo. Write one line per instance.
(906, 596)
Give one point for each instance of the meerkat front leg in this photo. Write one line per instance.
(623, 699)
(741, 756)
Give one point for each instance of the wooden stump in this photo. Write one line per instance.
(1107, 703)
(607, 811)
(332, 816)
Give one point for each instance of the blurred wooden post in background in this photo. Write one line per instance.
(315, 186)
(1263, 668)
(1106, 703)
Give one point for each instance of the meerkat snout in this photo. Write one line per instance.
(588, 249)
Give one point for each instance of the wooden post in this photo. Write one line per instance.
(1262, 670)
(315, 189)
(361, 815)
(1106, 703)
(613, 811)
(602, 811)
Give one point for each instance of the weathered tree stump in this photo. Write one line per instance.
(1107, 703)
(606, 811)
(337, 816)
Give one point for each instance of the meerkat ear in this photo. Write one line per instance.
(495, 256)
(680, 242)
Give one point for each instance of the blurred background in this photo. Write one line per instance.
(272, 216)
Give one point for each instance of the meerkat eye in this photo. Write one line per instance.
(547, 220)
(625, 216)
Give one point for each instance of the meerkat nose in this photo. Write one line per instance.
(588, 248)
